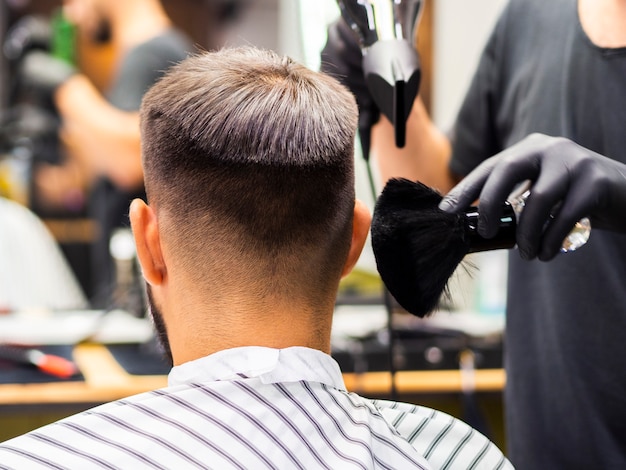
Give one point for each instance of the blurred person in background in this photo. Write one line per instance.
(100, 132)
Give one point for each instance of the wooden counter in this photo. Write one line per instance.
(105, 380)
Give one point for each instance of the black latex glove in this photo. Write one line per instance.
(42, 73)
(568, 182)
(342, 58)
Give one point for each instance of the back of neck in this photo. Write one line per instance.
(198, 330)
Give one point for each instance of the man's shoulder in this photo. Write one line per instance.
(445, 441)
(81, 440)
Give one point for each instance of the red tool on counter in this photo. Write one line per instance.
(48, 363)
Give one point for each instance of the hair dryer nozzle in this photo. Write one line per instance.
(386, 32)
(392, 73)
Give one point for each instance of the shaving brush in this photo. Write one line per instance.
(417, 246)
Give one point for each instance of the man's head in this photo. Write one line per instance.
(248, 165)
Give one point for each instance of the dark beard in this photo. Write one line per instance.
(159, 326)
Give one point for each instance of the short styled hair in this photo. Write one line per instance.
(251, 157)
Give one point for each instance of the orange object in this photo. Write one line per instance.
(48, 363)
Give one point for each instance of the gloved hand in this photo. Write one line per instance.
(568, 182)
(42, 73)
(342, 58)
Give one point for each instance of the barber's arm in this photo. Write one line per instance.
(425, 157)
(427, 151)
(98, 137)
(568, 182)
(105, 139)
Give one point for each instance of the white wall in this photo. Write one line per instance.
(461, 29)
(258, 25)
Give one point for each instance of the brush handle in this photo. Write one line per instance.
(505, 238)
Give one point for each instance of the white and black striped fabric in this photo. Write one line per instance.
(254, 408)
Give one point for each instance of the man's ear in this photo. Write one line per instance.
(360, 231)
(144, 223)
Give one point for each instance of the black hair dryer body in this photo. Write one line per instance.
(386, 30)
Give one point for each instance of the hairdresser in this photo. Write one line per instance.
(557, 68)
(101, 132)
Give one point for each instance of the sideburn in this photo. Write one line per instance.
(159, 327)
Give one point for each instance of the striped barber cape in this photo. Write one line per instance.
(255, 408)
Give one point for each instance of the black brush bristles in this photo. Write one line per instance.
(417, 246)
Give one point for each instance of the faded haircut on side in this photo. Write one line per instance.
(249, 157)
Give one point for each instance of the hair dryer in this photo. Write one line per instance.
(386, 33)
